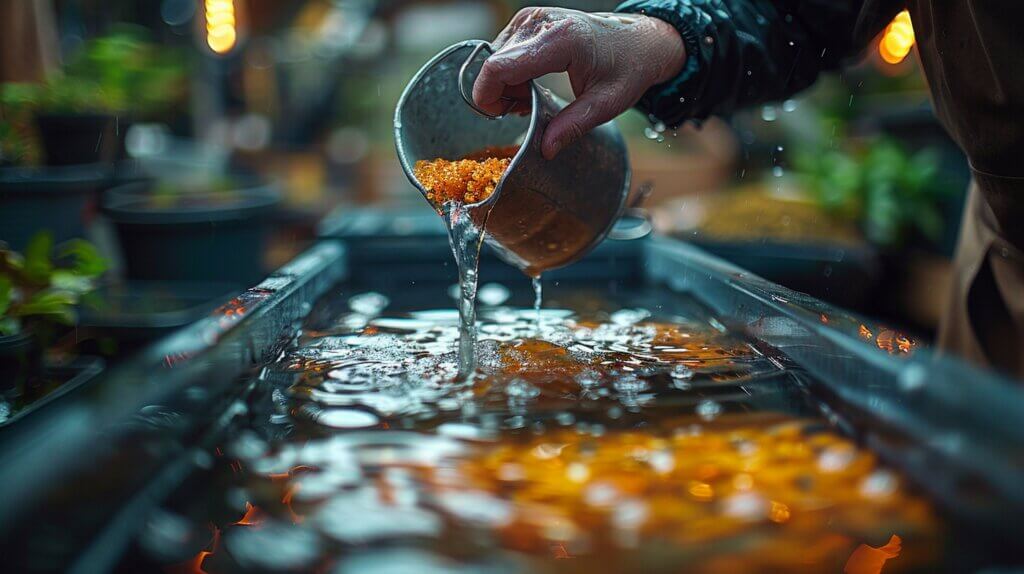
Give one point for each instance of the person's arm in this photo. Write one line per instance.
(675, 59)
(743, 52)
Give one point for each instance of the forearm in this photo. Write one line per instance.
(743, 52)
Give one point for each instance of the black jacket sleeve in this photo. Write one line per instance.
(742, 52)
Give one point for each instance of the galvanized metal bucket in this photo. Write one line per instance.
(543, 214)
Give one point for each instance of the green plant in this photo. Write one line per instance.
(40, 289)
(14, 150)
(886, 190)
(133, 73)
(122, 72)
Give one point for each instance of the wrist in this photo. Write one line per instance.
(666, 52)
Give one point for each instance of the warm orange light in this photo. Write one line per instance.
(897, 40)
(221, 34)
(253, 516)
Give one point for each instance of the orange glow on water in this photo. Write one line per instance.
(252, 517)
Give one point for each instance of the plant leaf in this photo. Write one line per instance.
(37, 257)
(53, 305)
(6, 294)
(87, 261)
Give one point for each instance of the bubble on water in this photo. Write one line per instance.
(520, 389)
(662, 461)
(294, 548)
(493, 294)
(629, 316)
(709, 410)
(477, 508)
(681, 372)
(880, 483)
(515, 422)
(746, 506)
(577, 472)
(836, 458)
(463, 431)
(347, 418)
(630, 385)
(601, 494)
(769, 114)
(370, 303)
(565, 419)
(789, 105)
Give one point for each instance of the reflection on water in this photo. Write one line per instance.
(609, 442)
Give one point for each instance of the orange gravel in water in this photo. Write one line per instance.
(468, 180)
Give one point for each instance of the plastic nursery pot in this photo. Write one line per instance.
(20, 360)
(57, 199)
(73, 139)
(194, 236)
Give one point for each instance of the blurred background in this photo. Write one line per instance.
(134, 124)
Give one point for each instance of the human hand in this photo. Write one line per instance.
(612, 59)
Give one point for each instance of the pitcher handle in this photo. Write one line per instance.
(469, 98)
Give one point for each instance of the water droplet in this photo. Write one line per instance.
(370, 303)
(708, 410)
(789, 105)
(681, 372)
(650, 134)
(682, 99)
(493, 294)
(769, 114)
(777, 171)
(347, 418)
(709, 40)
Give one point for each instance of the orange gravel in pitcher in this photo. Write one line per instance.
(468, 180)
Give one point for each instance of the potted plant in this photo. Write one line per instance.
(198, 231)
(82, 113)
(893, 195)
(38, 294)
(34, 198)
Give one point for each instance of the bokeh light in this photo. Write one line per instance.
(221, 34)
(897, 40)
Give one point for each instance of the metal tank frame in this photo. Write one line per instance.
(124, 442)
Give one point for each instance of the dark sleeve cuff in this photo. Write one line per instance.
(676, 100)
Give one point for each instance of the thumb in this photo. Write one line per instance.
(587, 112)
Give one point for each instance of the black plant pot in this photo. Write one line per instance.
(73, 139)
(57, 199)
(201, 237)
(20, 361)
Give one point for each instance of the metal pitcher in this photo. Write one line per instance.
(543, 214)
